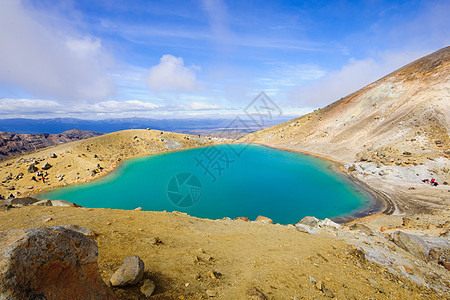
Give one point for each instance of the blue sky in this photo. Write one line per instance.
(204, 58)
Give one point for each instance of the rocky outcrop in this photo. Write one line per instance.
(129, 273)
(12, 144)
(412, 243)
(49, 263)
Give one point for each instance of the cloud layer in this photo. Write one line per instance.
(172, 75)
(48, 63)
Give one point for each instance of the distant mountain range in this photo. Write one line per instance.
(12, 144)
(58, 125)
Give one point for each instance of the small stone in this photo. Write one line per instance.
(138, 209)
(327, 292)
(148, 287)
(129, 273)
(53, 155)
(383, 228)
(156, 241)
(32, 169)
(211, 293)
(212, 275)
(47, 220)
(310, 221)
(406, 222)
(361, 227)
(254, 293)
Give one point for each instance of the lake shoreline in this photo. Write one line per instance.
(379, 201)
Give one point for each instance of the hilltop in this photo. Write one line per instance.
(12, 144)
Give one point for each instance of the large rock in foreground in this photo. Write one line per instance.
(49, 263)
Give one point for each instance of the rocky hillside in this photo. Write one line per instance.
(401, 119)
(12, 144)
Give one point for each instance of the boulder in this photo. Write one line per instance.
(32, 169)
(46, 166)
(310, 221)
(361, 227)
(49, 263)
(328, 223)
(18, 202)
(412, 243)
(306, 228)
(265, 220)
(129, 273)
(62, 203)
(45, 202)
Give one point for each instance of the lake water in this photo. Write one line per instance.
(223, 181)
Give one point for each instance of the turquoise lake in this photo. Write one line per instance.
(223, 181)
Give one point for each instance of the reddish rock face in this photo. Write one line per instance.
(49, 263)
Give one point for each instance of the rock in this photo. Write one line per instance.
(156, 241)
(53, 155)
(406, 153)
(18, 202)
(361, 227)
(382, 173)
(309, 221)
(445, 264)
(148, 287)
(138, 209)
(49, 263)
(306, 228)
(79, 229)
(254, 293)
(46, 166)
(62, 203)
(48, 220)
(328, 223)
(245, 219)
(412, 243)
(10, 188)
(45, 202)
(406, 222)
(352, 168)
(265, 220)
(398, 162)
(129, 273)
(383, 228)
(32, 169)
(211, 293)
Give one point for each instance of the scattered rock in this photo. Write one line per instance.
(265, 220)
(352, 168)
(49, 263)
(148, 287)
(382, 173)
(129, 273)
(211, 293)
(406, 153)
(412, 243)
(46, 166)
(53, 155)
(10, 188)
(406, 222)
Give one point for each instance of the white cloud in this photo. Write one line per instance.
(172, 75)
(350, 78)
(42, 108)
(46, 62)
